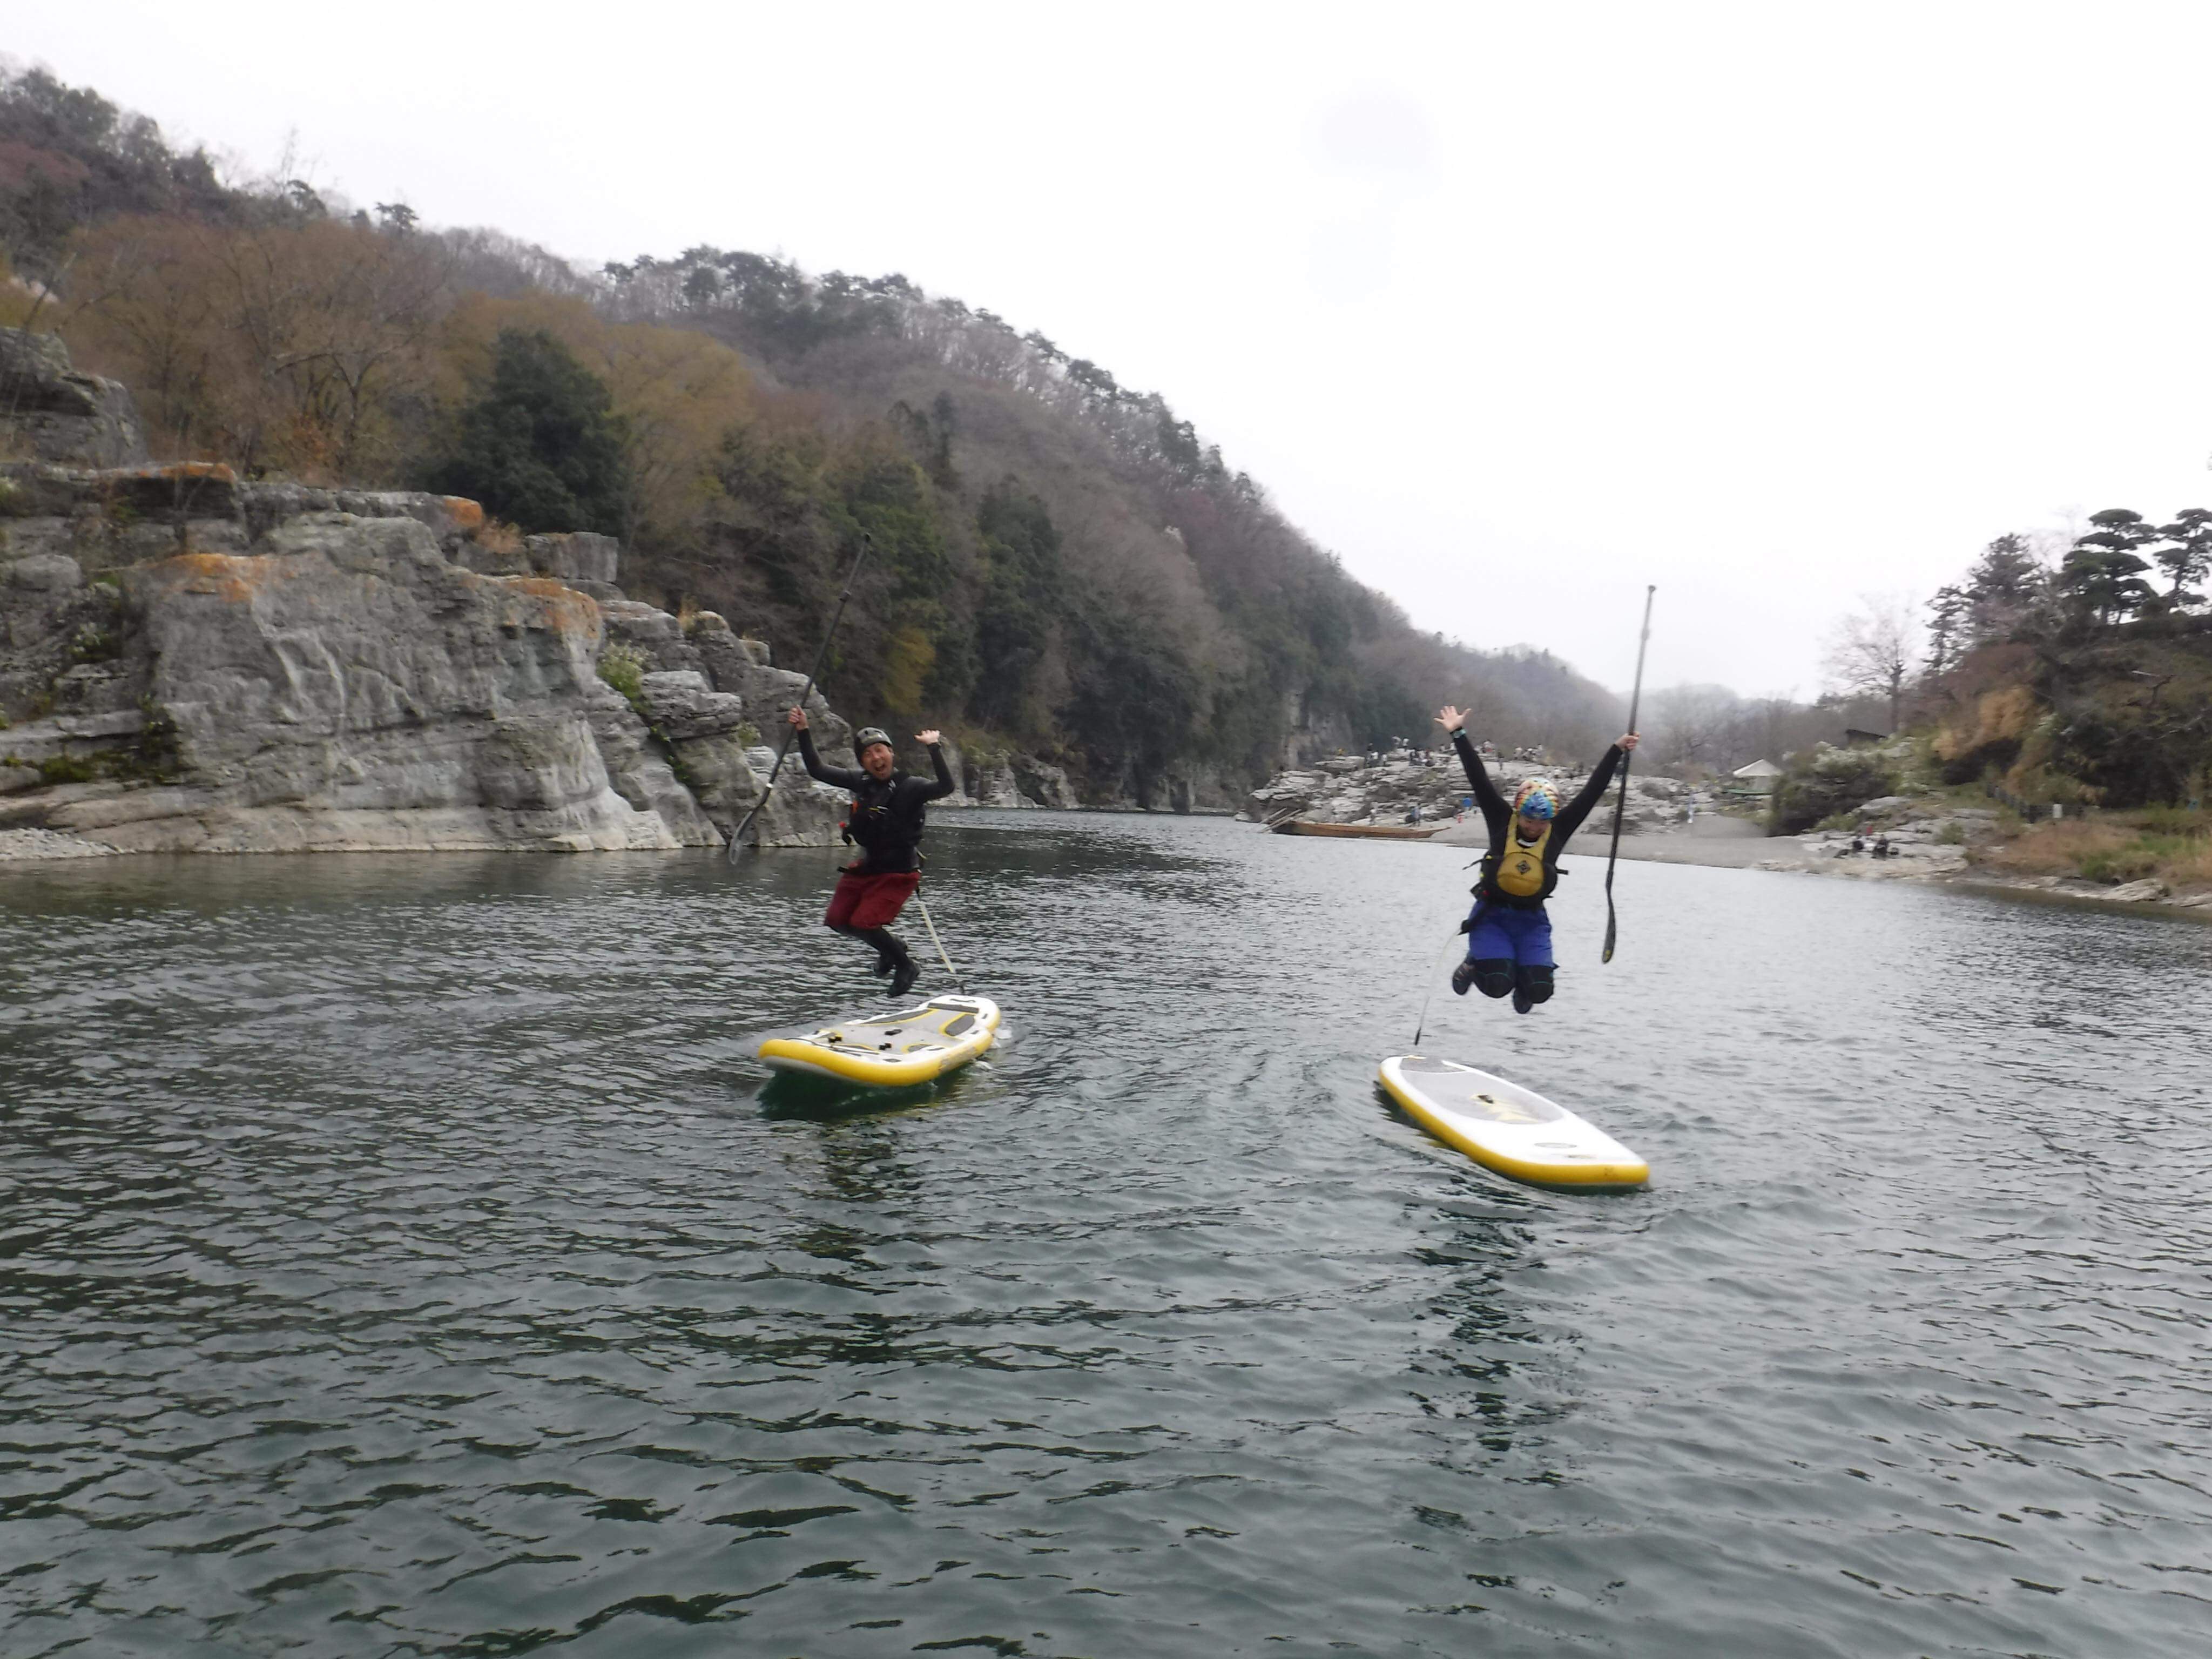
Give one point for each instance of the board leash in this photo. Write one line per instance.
(790, 732)
(1422, 1023)
(1620, 806)
(960, 984)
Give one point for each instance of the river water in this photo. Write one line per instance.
(402, 1256)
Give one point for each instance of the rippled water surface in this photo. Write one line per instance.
(402, 1256)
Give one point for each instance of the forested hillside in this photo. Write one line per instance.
(1060, 564)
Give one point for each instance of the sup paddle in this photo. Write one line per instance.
(820, 655)
(1612, 922)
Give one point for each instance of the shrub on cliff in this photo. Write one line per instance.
(541, 445)
(2136, 755)
(1835, 781)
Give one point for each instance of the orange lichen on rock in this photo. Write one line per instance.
(468, 515)
(231, 576)
(566, 610)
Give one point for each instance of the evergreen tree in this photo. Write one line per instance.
(1947, 617)
(2001, 589)
(541, 446)
(2102, 574)
(1022, 593)
(2183, 552)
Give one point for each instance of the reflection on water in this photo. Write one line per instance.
(404, 1256)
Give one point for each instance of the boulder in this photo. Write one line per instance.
(653, 633)
(682, 705)
(769, 694)
(990, 782)
(2137, 892)
(44, 572)
(451, 518)
(717, 754)
(1042, 784)
(727, 658)
(58, 415)
(574, 556)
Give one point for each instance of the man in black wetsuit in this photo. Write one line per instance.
(886, 822)
(1508, 936)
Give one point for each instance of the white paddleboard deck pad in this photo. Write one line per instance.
(894, 1051)
(1508, 1128)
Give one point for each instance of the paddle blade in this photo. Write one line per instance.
(1611, 929)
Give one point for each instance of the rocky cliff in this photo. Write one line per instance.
(191, 662)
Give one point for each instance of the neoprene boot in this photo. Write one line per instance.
(1463, 976)
(1521, 1003)
(903, 975)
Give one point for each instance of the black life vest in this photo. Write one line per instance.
(886, 822)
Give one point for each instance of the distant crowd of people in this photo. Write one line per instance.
(1402, 750)
(1417, 758)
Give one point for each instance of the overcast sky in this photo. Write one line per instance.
(1515, 307)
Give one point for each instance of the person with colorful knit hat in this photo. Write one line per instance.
(886, 822)
(1508, 936)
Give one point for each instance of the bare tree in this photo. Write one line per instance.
(1871, 652)
(1691, 724)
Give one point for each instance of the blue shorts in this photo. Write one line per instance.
(1497, 932)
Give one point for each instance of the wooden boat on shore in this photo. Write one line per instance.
(1365, 831)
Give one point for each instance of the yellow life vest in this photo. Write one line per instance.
(1520, 867)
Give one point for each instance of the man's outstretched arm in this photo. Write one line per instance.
(1570, 817)
(838, 775)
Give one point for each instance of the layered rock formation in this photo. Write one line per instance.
(189, 662)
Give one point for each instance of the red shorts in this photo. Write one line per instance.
(870, 900)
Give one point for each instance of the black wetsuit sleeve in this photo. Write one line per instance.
(943, 786)
(1495, 811)
(838, 775)
(1571, 819)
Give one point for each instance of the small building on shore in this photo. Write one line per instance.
(1760, 778)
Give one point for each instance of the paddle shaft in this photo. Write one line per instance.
(790, 732)
(1620, 807)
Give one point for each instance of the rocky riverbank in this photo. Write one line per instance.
(1931, 836)
(1427, 787)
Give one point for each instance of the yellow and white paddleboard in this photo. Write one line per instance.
(893, 1051)
(1508, 1128)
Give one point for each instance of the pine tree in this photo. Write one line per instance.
(541, 447)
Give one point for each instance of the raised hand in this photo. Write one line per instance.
(932, 738)
(1452, 719)
(1627, 743)
(797, 719)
